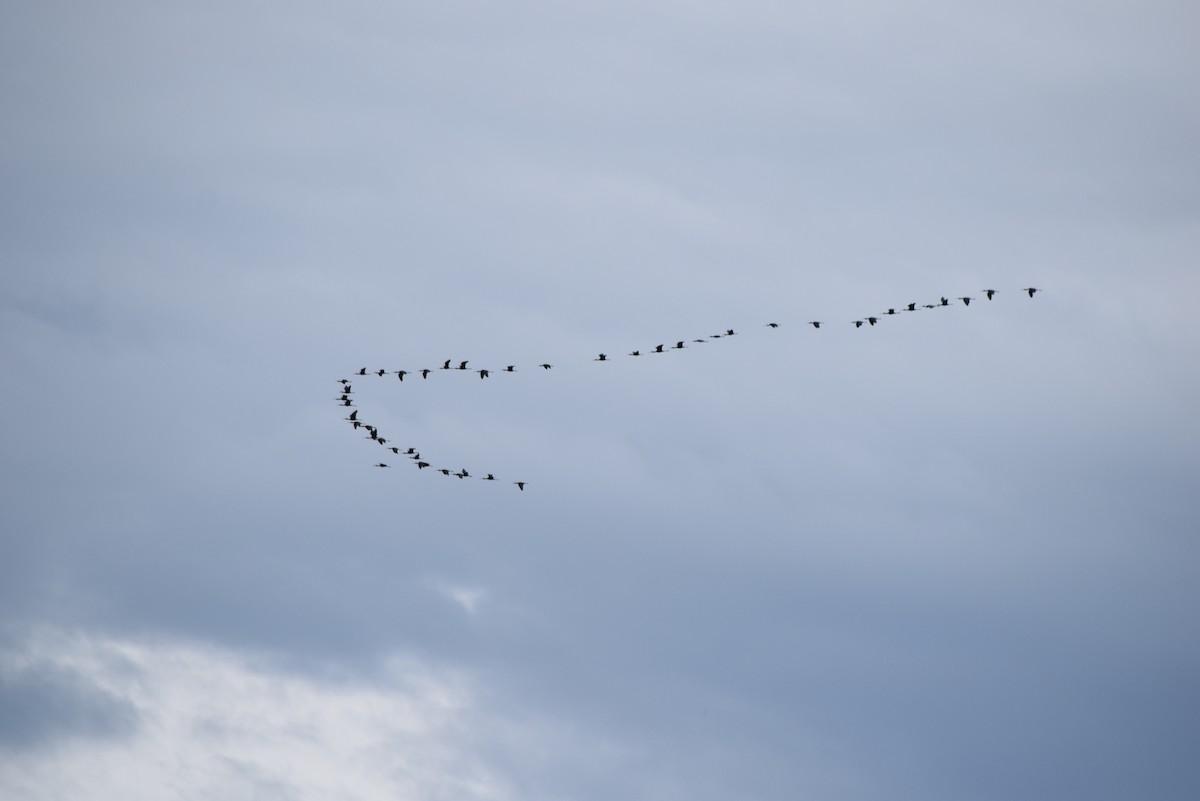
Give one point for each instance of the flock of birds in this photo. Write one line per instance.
(414, 457)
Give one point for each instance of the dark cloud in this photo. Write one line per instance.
(44, 705)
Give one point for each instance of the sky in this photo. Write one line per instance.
(950, 557)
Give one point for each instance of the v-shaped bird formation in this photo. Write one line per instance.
(413, 457)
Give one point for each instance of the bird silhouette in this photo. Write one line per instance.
(446, 364)
(361, 371)
(488, 477)
(422, 465)
(510, 369)
(520, 485)
(401, 373)
(425, 373)
(945, 301)
(601, 358)
(462, 365)
(658, 348)
(989, 293)
(678, 345)
(635, 353)
(1031, 290)
(815, 323)
(545, 366)
(353, 415)
(484, 373)
(381, 464)
(381, 373)
(966, 301)
(911, 307)
(858, 323)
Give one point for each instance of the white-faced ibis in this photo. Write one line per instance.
(815, 323)
(483, 373)
(353, 415)
(872, 320)
(361, 371)
(425, 373)
(381, 464)
(966, 301)
(911, 307)
(520, 485)
(858, 323)
(462, 365)
(989, 293)
(945, 301)
(545, 366)
(422, 465)
(1031, 290)
(635, 353)
(678, 345)
(446, 364)
(488, 477)
(401, 373)
(772, 325)
(601, 358)
(510, 369)
(658, 348)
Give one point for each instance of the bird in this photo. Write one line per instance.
(701, 341)
(890, 311)
(945, 301)
(545, 366)
(1031, 290)
(678, 345)
(347, 402)
(520, 485)
(381, 373)
(462, 365)
(422, 465)
(872, 320)
(858, 323)
(394, 450)
(345, 381)
(381, 464)
(410, 451)
(401, 373)
(911, 307)
(425, 373)
(815, 323)
(729, 332)
(658, 348)
(462, 473)
(635, 353)
(446, 364)
(772, 325)
(601, 358)
(488, 477)
(353, 415)
(966, 301)
(445, 471)
(483, 373)
(361, 371)
(989, 293)
(510, 369)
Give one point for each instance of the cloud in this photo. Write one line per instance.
(212, 723)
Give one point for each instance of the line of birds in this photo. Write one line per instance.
(412, 454)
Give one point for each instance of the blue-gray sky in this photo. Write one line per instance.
(954, 556)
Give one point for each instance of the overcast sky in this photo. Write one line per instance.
(951, 557)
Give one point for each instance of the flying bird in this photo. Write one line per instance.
(989, 293)
(462, 365)
(446, 364)
(545, 366)
(772, 325)
(815, 323)
(425, 373)
(520, 485)
(601, 358)
(381, 464)
(484, 373)
(966, 301)
(401, 373)
(510, 369)
(1031, 290)
(858, 323)
(635, 353)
